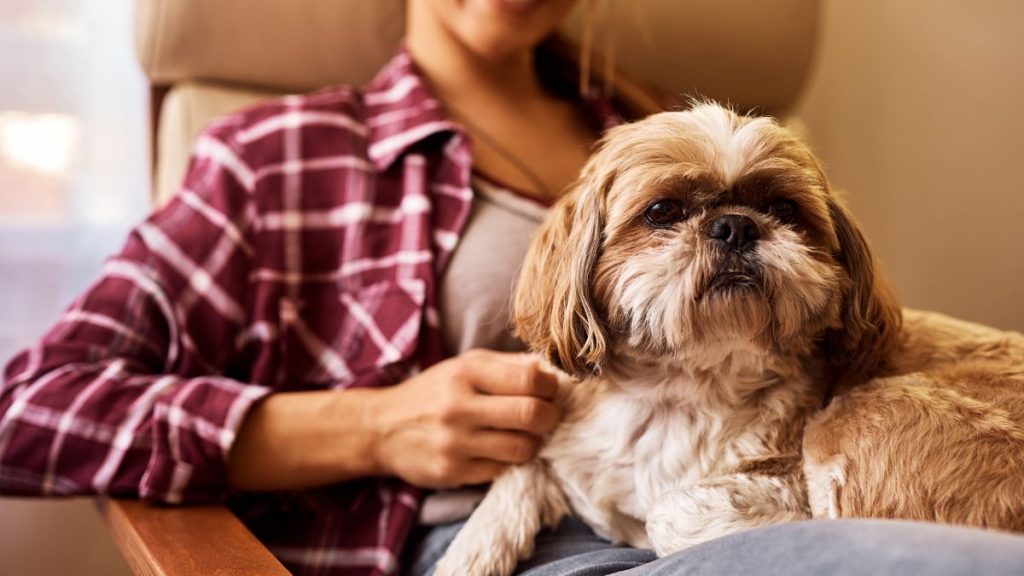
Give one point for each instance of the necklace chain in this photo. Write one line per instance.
(504, 152)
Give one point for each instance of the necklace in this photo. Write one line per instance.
(504, 152)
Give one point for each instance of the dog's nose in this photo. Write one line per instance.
(736, 231)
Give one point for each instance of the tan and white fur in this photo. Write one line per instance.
(708, 294)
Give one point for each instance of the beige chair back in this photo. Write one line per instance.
(211, 57)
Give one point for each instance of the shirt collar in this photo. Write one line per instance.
(401, 111)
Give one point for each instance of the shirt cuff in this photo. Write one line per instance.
(194, 427)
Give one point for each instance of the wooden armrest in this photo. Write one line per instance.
(186, 540)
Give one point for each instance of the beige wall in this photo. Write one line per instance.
(917, 109)
(56, 538)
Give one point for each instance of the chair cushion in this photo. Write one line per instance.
(187, 109)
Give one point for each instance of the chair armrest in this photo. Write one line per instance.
(187, 540)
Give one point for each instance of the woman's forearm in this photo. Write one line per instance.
(295, 440)
(461, 421)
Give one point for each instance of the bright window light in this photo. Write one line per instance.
(43, 143)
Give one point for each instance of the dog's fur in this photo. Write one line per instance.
(697, 366)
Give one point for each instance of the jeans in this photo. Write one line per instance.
(816, 547)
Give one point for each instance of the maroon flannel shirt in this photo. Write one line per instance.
(303, 251)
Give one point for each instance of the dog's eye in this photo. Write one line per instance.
(665, 212)
(784, 210)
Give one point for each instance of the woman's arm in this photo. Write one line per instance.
(115, 398)
(95, 407)
(459, 422)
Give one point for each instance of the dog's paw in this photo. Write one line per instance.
(469, 556)
(686, 517)
(694, 514)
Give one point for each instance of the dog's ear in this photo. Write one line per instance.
(871, 316)
(554, 311)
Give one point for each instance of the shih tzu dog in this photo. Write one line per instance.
(734, 359)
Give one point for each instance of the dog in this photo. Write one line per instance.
(735, 359)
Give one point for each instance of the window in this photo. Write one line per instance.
(73, 153)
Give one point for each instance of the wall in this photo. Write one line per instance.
(56, 538)
(915, 106)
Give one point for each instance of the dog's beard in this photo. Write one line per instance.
(725, 275)
(692, 298)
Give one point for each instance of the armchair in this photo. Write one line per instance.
(205, 58)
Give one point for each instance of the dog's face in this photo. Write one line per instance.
(694, 235)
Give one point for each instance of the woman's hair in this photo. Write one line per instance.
(560, 67)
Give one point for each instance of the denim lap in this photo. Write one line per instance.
(820, 547)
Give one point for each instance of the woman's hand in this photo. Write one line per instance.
(464, 420)
(459, 422)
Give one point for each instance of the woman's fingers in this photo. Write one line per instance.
(505, 374)
(503, 391)
(524, 413)
(463, 420)
(500, 446)
(479, 471)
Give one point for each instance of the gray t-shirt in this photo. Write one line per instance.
(476, 289)
(475, 298)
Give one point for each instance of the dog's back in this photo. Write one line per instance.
(940, 437)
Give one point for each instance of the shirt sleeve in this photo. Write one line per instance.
(127, 393)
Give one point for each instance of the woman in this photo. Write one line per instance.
(262, 337)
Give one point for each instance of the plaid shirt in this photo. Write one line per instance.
(303, 251)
